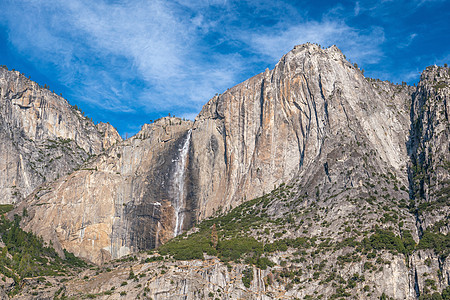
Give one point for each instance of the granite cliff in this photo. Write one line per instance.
(429, 146)
(282, 124)
(123, 200)
(42, 137)
(325, 183)
(286, 121)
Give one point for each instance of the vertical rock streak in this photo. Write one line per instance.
(156, 222)
(36, 123)
(179, 176)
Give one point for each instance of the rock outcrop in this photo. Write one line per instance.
(285, 121)
(358, 169)
(281, 124)
(429, 149)
(124, 199)
(42, 137)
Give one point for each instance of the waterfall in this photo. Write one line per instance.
(179, 177)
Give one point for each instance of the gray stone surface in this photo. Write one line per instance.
(42, 137)
(429, 147)
(356, 153)
(285, 123)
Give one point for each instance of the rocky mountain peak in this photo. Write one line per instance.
(308, 50)
(302, 58)
(285, 121)
(42, 136)
(429, 148)
(309, 176)
(434, 73)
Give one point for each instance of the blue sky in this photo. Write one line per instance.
(128, 62)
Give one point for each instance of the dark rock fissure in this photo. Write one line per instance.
(147, 216)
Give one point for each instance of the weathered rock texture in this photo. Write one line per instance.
(430, 148)
(357, 155)
(181, 280)
(286, 121)
(42, 137)
(121, 202)
(211, 278)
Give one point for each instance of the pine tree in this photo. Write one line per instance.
(214, 238)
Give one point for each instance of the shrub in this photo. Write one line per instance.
(4, 208)
(408, 242)
(188, 249)
(233, 249)
(263, 263)
(439, 242)
(384, 239)
(247, 277)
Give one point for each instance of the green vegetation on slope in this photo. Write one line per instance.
(387, 240)
(232, 240)
(437, 241)
(25, 255)
(4, 208)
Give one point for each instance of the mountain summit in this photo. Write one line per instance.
(300, 120)
(42, 137)
(339, 183)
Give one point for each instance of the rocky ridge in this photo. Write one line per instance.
(42, 137)
(120, 202)
(355, 209)
(267, 130)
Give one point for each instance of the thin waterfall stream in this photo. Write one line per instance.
(179, 177)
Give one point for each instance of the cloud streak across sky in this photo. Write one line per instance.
(131, 61)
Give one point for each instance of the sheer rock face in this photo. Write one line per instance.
(285, 122)
(42, 137)
(121, 202)
(342, 142)
(430, 148)
(314, 119)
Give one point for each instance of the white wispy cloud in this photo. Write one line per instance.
(407, 41)
(357, 8)
(128, 56)
(97, 45)
(423, 2)
(359, 45)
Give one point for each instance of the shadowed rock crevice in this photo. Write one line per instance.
(42, 136)
(314, 120)
(151, 219)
